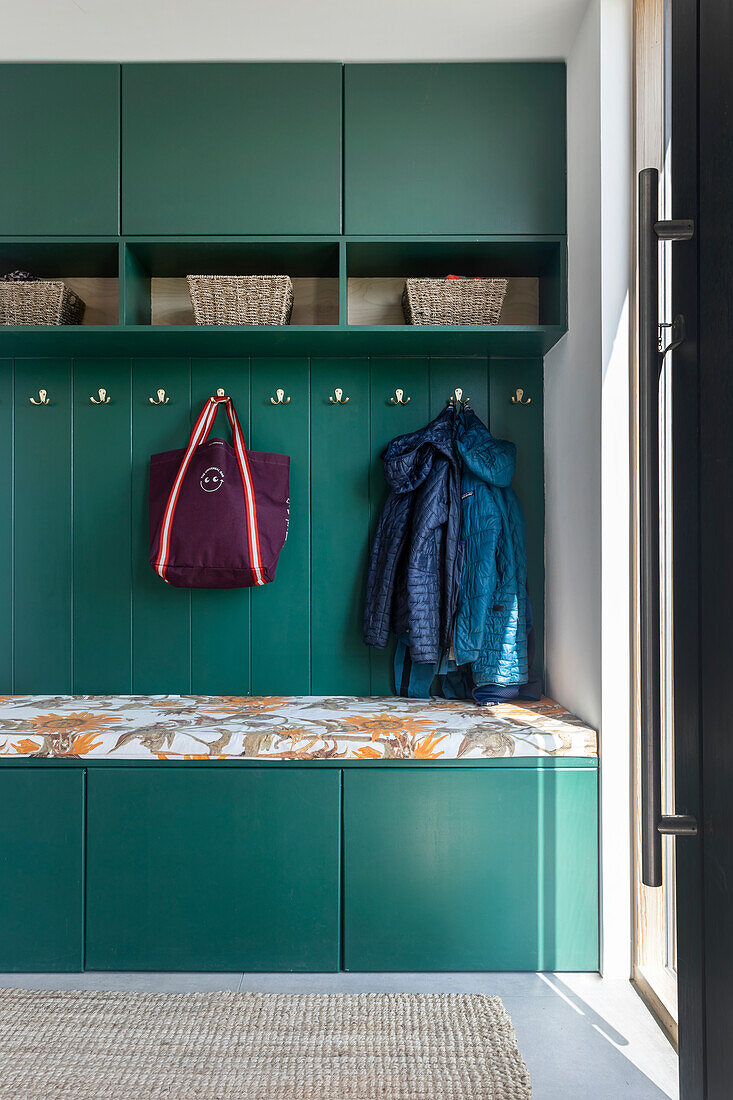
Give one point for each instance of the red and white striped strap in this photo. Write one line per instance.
(199, 435)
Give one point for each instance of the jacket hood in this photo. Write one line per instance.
(409, 458)
(492, 460)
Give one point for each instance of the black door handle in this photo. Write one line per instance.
(651, 356)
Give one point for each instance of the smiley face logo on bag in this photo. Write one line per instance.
(211, 479)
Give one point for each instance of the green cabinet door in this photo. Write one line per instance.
(281, 611)
(339, 525)
(231, 148)
(42, 530)
(59, 136)
(454, 148)
(41, 861)
(492, 868)
(212, 868)
(102, 535)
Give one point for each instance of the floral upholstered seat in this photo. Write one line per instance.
(302, 728)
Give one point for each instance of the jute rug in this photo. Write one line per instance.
(260, 1046)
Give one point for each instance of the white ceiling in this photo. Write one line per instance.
(345, 30)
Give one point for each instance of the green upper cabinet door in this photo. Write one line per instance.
(231, 148)
(59, 149)
(455, 148)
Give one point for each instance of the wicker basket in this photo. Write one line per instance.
(39, 302)
(453, 301)
(241, 299)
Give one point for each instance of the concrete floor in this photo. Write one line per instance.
(581, 1036)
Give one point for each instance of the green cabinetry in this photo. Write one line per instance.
(59, 149)
(231, 148)
(41, 868)
(471, 869)
(288, 867)
(454, 148)
(208, 868)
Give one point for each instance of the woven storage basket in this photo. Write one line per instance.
(453, 301)
(39, 302)
(241, 299)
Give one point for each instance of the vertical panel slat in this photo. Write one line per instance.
(220, 617)
(42, 529)
(523, 424)
(388, 421)
(161, 613)
(470, 375)
(281, 610)
(339, 526)
(102, 536)
(6, 528)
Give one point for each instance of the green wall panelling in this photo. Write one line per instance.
(59, 170)
(161, 643)
(281, 610)
(41, 869)
(101, 529)
(231, 148)
(469, 375)
(523, 424)
(388, 421)
(6, 529)
(42, 527)
(339, 526)
(220, 618)
(475, 869)
(454, 148)
(167, 889)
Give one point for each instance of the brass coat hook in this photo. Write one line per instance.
(280, 398)
(103, 399)
(220, 392)
(518, 398)
(458, 398)
(42, 398)
(162, 399)
(399, 398)
(338, 397)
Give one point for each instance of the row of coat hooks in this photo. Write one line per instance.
(337, 398)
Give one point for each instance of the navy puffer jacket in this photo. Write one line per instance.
(414, 569)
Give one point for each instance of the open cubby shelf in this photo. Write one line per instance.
(347, 291)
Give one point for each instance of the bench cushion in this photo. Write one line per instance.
(201, 727)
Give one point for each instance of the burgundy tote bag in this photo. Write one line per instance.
(218, 513)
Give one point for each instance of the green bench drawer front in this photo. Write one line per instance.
(471, 869)
(41, 859)
(209, 868)
(59, 143)
(231, 148)
(454, 148)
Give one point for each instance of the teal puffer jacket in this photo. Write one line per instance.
(491, 630)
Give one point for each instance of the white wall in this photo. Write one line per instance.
(341, 30)
(587, 443)
(573, 409)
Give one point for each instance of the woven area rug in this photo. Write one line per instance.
(258, 1046)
